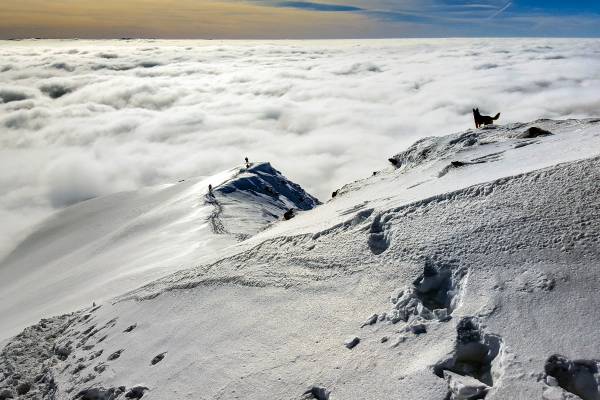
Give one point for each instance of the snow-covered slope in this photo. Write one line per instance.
(467, 271)
(99, 248)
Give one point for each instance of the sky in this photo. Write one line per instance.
(289, 19)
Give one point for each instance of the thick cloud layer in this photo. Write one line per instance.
(82, 119)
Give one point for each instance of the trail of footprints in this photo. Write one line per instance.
(478, 359)
(65, 349)
(475, 365)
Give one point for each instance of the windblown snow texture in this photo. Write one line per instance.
(411, 284)
(98, 249)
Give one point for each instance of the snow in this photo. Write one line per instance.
(477, 282)
(99, 248)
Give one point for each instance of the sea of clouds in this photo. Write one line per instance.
(80, 119)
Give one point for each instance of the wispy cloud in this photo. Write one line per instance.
(306, 5)
(459, 17)
(500, 11)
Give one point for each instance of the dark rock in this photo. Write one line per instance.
(289, 214)
(418, 329)
(370, 321)
(136, 392)
(351, 342)
(534, 132)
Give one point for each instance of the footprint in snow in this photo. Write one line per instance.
(136, 392)
(578, 377)
(158, 358)
(115, 355)
(316, 392)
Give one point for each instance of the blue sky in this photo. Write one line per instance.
(467, 18)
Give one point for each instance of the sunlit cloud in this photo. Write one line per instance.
(162, 19)
(81, 119)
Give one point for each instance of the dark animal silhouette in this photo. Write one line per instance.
(481, 120)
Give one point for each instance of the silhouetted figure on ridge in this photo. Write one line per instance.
(482, 120)
(247, 163)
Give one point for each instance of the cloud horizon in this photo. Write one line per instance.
(81, 119)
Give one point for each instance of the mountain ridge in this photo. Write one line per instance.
(98, 247)
(410, 284)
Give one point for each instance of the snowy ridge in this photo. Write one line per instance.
(489, 144)
(479, 282)
(259, 184)
(99, 248)
(375, 225)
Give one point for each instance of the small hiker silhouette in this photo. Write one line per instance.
(247, 162)
(209, 189)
